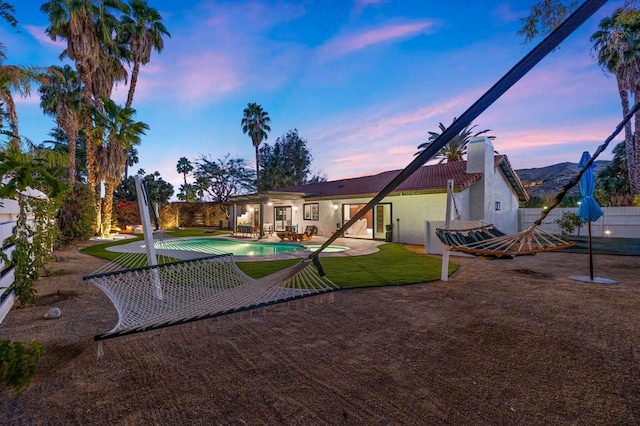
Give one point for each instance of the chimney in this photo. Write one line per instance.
(480, 160)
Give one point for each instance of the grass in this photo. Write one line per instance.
(392, 265)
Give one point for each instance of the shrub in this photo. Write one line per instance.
(77, 215)
(568, 223)
(127, 213)
(18, 363)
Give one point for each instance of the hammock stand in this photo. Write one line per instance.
(149, 297)
(485, 240)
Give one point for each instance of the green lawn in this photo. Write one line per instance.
(392, 265)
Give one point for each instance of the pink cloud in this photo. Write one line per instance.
(39, 34)
(343, 44)
(207, 75)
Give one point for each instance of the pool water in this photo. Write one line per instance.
(238, 248)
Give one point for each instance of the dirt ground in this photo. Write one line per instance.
(502, 342)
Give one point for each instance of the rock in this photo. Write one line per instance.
(53, 313)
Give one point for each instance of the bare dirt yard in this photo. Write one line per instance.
(502, 342)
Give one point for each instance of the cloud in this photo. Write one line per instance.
(382, 137)
(347, 43)
(41, 36)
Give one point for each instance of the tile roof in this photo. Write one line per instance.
(427, 179)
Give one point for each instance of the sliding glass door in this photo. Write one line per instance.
(282, 217)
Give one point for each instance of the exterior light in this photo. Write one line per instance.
(251, 209)
(335, 207)
(607, 232)
(270, 203)
(295, 209)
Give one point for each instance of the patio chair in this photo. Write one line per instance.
(309, 232)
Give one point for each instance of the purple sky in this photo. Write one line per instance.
(363, 81)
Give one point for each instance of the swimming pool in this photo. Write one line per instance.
(238, 248)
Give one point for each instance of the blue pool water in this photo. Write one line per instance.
(238, 248)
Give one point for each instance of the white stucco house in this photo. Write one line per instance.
(485, 188)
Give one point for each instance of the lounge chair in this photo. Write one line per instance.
(309, 232)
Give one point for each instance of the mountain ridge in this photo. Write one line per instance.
(545, 182)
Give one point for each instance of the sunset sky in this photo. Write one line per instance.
(363, 81)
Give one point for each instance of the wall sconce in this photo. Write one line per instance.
(295, 209)
(607, 232)
(335, 207)
(270, 203)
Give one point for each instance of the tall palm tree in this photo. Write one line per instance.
(616, 47)
(14, 78)
(120, 132)
(456, 148)
(256, 124)
(142, 31)
(87, 26)
(61, 96)
(184, 167)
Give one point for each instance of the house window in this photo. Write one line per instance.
(310, 212)
(497, 205)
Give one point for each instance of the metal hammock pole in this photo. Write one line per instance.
(552, 41)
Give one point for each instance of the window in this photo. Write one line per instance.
(497, 205)
(310, 212)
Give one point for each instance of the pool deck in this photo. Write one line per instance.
(357, 247)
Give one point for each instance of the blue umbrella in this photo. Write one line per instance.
(589, 209)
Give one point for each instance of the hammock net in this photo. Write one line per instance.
(178, 292)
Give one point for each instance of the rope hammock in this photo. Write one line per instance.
(177, 292)
(479, 239)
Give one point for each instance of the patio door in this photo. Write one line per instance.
(282, 217)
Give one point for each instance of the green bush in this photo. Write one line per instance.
(77, 215)
(568, 223)
(18, 363)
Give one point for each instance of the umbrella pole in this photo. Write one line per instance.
(590, 252)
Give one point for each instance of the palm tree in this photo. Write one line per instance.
(61, 96)
(14, 78)
(87, 26)
(7, 12)
(456, 148)
(120, 132)
(142, 31)
(256, 124)
(132, 159)
(616, 49)
(184, 167)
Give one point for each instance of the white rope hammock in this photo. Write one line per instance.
(179, 292)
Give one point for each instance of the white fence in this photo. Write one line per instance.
(8, 215)
(621, 222)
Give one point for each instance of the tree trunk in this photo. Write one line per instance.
(134, 82)
(107, 211)
(12, 115)
(257, 167)
(635, 186)
(628, 139)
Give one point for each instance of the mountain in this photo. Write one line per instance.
(546, 182)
